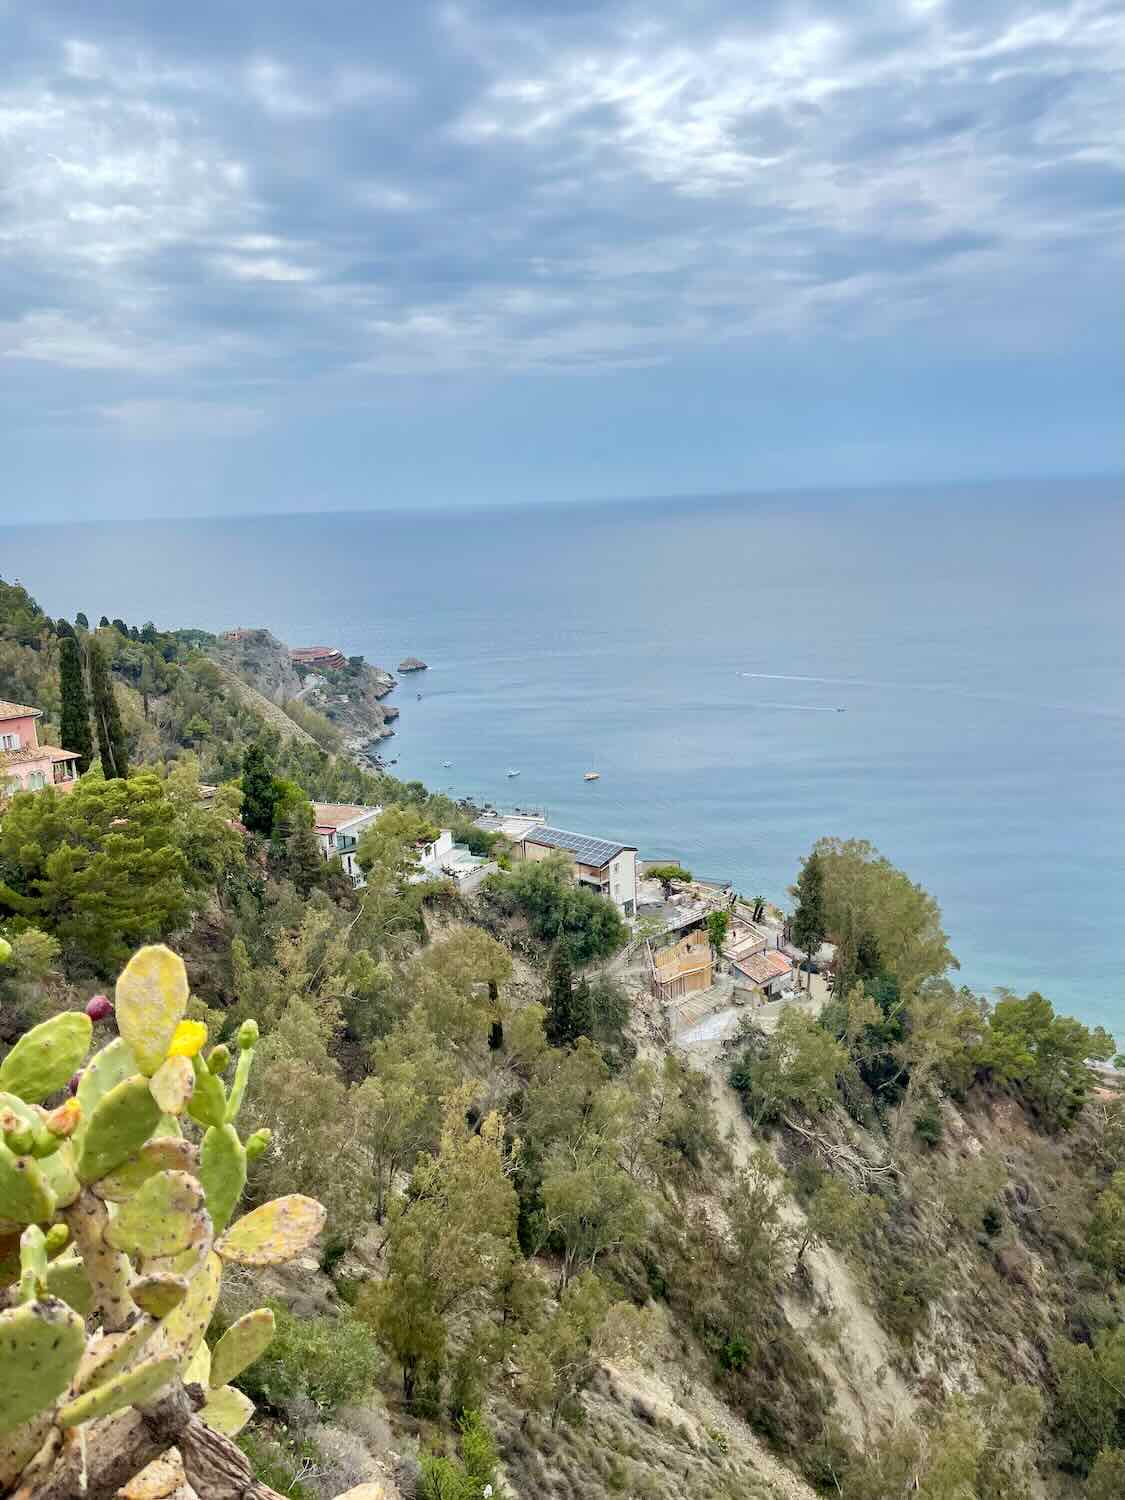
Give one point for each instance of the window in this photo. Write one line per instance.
(9, 742)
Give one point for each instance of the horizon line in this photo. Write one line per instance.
(877, 486)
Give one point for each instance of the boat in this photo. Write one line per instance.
(592, 776)
(447, 764)
(510, 774)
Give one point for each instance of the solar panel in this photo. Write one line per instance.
(586, 850)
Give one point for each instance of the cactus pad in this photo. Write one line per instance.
(222, 1171)
(151, 996)
(162, 1153)
(25, 1195)
(113, 1352)
(67, 1280)
(112, 1065)
(163, 1217)
(163, 1477)
(208, 1103)
(40, 1346)
(275, 1232)
(172, 1085)
(227, 1410)
(121, 1122)
(45, 1057)
(158, 1293)
(138, 1384)
(197, 1371)
(185, 1325)
(241, 1345)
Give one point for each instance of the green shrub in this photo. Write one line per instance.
(929, 1127)
(280, 1463)
(464, 1478)
(330, 1361)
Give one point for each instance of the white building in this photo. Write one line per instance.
(445, 860)
(338, 829)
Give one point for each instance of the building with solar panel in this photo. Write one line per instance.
(606, 867)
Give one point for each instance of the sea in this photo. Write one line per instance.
(936, 670)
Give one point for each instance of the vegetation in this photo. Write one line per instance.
(527, 1199)
(667, 876)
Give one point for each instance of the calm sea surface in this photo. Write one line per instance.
(698, 654)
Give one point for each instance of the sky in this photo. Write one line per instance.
(271, 256)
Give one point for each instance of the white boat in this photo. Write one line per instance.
(510, 774)
(447, 764)
(592, 776)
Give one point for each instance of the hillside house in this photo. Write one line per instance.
(445, 860)
(318, 658)
(338, 828)
(768, 971)
(602, 865)
(25, 764)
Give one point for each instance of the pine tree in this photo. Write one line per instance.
(259, 791)
(75, 721)
(107, 716)
(81, 621)
(808, 920)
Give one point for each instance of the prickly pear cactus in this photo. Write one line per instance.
(117, 1211)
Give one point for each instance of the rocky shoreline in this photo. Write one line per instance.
(348, 692)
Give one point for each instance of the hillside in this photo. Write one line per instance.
(873, 1245)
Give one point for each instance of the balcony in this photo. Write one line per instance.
(345, 842)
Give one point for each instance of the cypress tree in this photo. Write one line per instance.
(107, 716)
(559, 1023)
(808, 930)
(259, 791)
(74, 730)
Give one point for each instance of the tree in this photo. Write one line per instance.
(98, 868)
(590, 1202)
(797, 1068)
(259, 791)
(394, 842)
(74, 729)
(877, 916)
(469, 959)
(718, 925)
(1089, 1398)
(556, 1360)
(1043, 1055)
(103, 623)
(1107, 1477)
(81, 621)
(397, 1111)
(666, 874)
(1105, 1237)
(107, 715)
(808, 928)
(449, 1240)
(563, 1024)
(836, 1215)
(556, 909)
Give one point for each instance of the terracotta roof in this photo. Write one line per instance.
(762, 967)
(333, 814)
(26, 755)
(56, 754)
(18, 710)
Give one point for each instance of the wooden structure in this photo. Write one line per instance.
(683, 968)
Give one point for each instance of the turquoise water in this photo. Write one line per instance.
(696, 654)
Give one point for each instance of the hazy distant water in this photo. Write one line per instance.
(695, 653)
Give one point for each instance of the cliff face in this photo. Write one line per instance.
(350, 695)
(260, 659)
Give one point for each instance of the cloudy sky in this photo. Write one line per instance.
(281, 256)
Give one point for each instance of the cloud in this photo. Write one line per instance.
(510, 186)
(158, 420)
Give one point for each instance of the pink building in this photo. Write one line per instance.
(25, 764)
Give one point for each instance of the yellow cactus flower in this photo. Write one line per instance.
(187, 1039)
